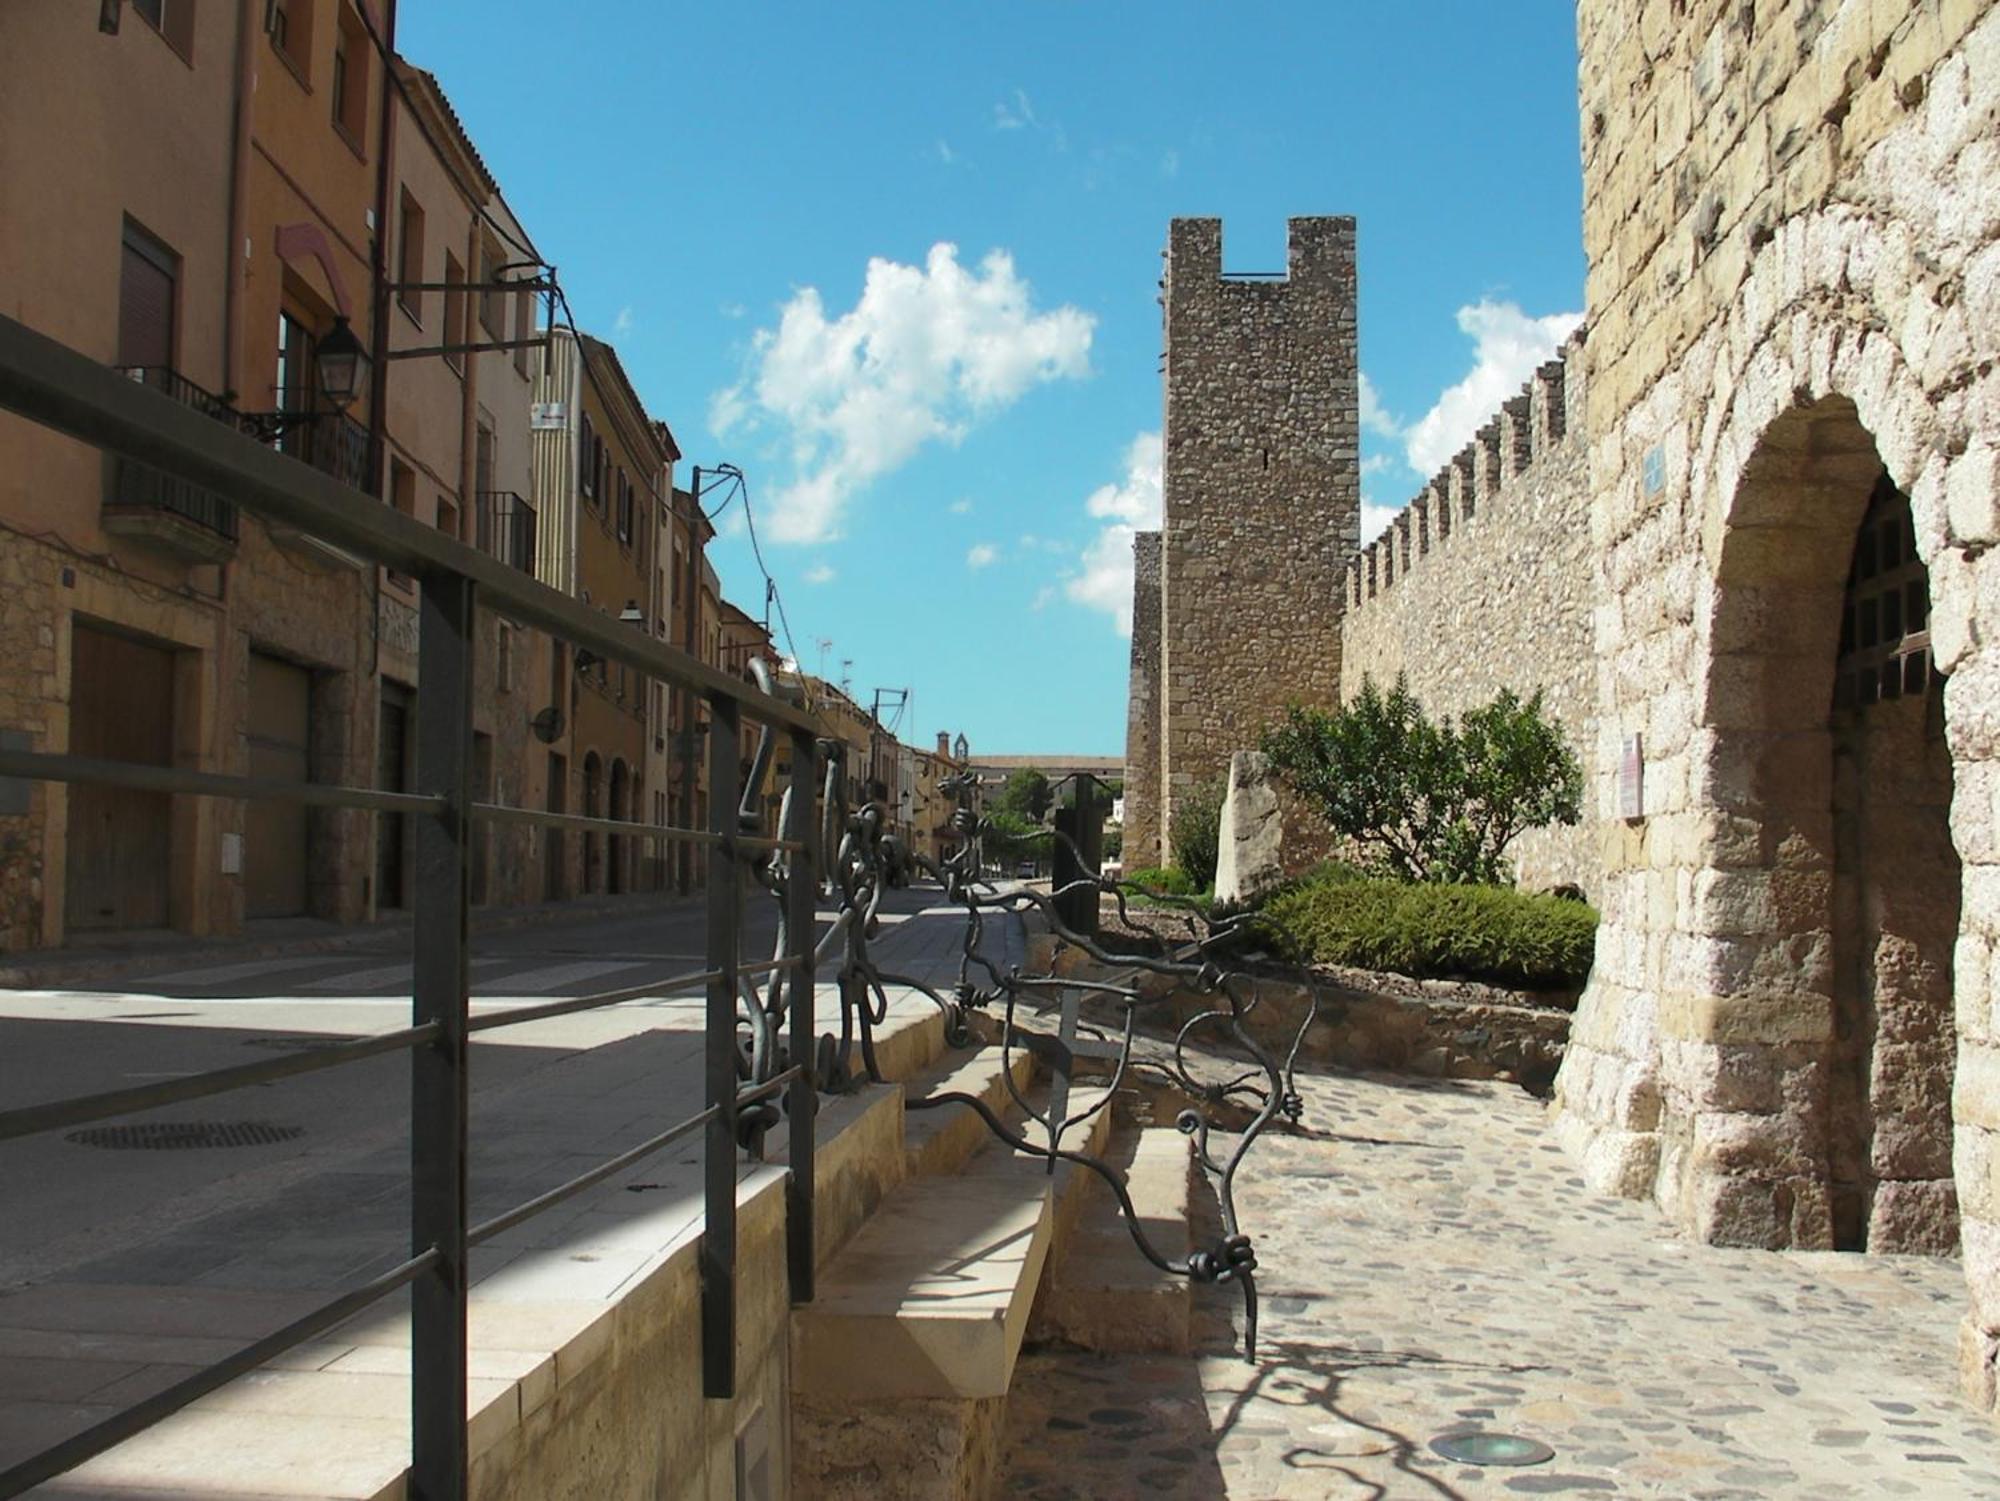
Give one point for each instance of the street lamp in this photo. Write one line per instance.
(632, 614)
(341, 365)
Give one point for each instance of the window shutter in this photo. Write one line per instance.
(145, 308)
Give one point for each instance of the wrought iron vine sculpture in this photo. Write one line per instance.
(865, 853)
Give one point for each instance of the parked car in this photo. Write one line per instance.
(1025, 870)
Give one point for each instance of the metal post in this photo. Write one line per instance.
(438, 1084)
(718, 1236)
(801, 893)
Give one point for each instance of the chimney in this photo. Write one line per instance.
(944, 744)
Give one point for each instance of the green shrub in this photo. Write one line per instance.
(1492, 933)
(1197, 831)
(1167, 879)
(1430, 800)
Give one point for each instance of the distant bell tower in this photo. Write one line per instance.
(1262, 502)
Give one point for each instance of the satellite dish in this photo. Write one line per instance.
(547, 725)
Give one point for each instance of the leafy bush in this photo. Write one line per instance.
(1431, 801)
(1166, 879)
(1197, 831)
(1492, 933)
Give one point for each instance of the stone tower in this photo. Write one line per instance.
(1262, 499)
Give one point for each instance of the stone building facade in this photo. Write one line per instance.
(1788, 434)
(1483, 582)
(1262, 491)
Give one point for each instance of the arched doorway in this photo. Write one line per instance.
(1896, 904)
(621, 797)
(593, 807)
(1816, 1083)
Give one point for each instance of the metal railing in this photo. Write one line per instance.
(504, 528)
(48, 383)
(139, 486)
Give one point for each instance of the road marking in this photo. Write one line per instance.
(229, 974)
(535, 982)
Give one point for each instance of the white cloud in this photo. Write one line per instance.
(1044, 597)
(624, 323)
(1019, 114)
(981, 555)
(820, 573)
(1170, 164)
(1374, 416)
(944, 152)
(924, 355)
(1131, 505)
(1375, 520)
(962, 506)
(731, 309)
(1507, 346)
(1377, 463)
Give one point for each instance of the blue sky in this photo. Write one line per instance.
(947, 447)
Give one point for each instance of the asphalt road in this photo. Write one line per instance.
(71, 1203)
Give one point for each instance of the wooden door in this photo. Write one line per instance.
(120, 841)
(277, 833)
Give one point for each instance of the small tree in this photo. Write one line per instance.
(1430, 801)
(1197, 831)
(1027, 793)
(1009, 836)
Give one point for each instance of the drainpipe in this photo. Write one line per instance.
(378, 323)
(233, 256)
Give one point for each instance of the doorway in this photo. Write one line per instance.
(120, 839)
(277, 832)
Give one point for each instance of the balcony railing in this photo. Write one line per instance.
(163, 508)
(505, 528)
(332, 442)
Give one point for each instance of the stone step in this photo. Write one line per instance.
(931, 1298)
(1101, 1293)
(941, 1138)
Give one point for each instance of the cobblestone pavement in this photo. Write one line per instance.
(1430, 1262)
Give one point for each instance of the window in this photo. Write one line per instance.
(600, 471)
(585, 463)
(402, 487)
(454, 310)
(447, 517)
(504, 660)
(492, 301)
(624, 507)
(294, 388)
(290, 23)
(173, 20)
(410, 257)
(350, 78)
(148, 281)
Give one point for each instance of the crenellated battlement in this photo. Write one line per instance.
(1542, 421)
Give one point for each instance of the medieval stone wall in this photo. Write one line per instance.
(1486, 581)
(1791, 214)
(1262, 491)
(1143, 846)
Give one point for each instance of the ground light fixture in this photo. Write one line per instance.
(1491, 1449)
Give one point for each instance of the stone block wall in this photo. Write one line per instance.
(1262, 492)
(1143, 832)
(1487, 581)
(1794, 285)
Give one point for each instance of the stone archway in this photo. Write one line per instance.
(1807, 1098)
